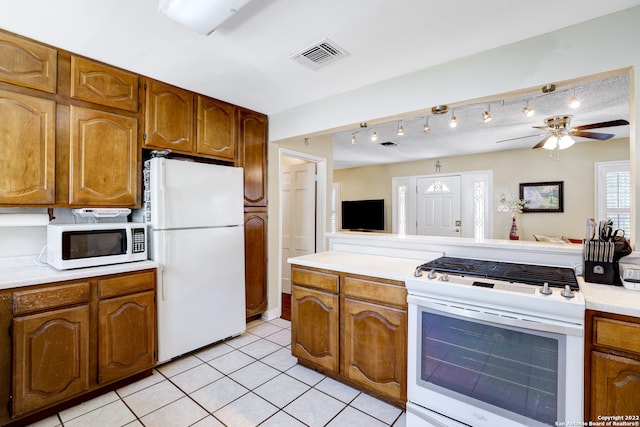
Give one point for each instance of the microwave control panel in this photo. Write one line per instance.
(138, 240)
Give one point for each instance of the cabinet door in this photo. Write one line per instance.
(255, 248)
(315, 327)
(28, 64)
(216, 130)
(50, 358)
(103, 169)
(27, 150)
(253, 157)
(168, 117)
(126, 340)
(615, 385)
(103, 84)
(375, 343)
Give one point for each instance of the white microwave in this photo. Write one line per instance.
(89, 245)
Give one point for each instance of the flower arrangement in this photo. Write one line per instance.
(515, 206)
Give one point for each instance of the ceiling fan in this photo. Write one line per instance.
(560, 132)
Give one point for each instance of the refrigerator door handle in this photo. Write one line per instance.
(162, 243)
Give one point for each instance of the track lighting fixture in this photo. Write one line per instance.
(374, 136)
(353, 138)
(453, 122)
(486, 116)
(426, 128)
(400, 131)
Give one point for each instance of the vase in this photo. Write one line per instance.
(513, 234)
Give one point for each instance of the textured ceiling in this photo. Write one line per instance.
(601, 100)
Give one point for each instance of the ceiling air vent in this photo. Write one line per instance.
(389, 144)
(321, 53)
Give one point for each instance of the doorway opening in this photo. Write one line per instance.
(302, 214)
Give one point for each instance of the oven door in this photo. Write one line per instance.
(484, 367)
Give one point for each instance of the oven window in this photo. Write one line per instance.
(90, 244)
(514, 370)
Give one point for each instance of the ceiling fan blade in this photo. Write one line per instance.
(539, 144)
(608, 124)
(593, 135)
(518, 137)
(543, 128)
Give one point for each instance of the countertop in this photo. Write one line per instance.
(27, 270)
(367, 265)
(607, 298)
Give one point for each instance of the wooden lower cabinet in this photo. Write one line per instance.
(255, 269)
(353, 328)
(612, 366)
(126, 343)
(73, 338)
(50, 358)
(375, 352)
(317, 340)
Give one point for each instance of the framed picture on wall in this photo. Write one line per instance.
(542, 196)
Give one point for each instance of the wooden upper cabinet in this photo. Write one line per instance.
(28, 64)
(216, 128)
(27, 149)
(168, 117)
(103, 158)
(102, 84)
(253, 157)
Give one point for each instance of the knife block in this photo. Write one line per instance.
(602, 272)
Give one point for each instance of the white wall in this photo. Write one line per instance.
(597, 46)
(510, 168)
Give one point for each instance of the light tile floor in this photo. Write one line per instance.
(249, 380)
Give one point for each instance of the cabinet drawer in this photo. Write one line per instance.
(315, 279)
(616, 334)
(126, 284)
(385, 293)
(33, 300)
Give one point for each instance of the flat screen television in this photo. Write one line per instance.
(363, 215)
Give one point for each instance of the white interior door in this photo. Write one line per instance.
(298, 215)
(438, 206)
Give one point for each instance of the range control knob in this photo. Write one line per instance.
(567, 292)
(444, 277)
(431, 275)
(418, 272)
(545, 289)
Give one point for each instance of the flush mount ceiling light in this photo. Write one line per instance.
(202, 16)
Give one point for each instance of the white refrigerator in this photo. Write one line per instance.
(196, 229)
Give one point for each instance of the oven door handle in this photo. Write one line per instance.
(498, 317)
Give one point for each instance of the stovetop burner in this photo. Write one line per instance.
(512, 272)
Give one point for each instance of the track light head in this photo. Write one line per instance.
(374, 136)
(529, 112)
(453, 122)
(573, 102)
(486, 116)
